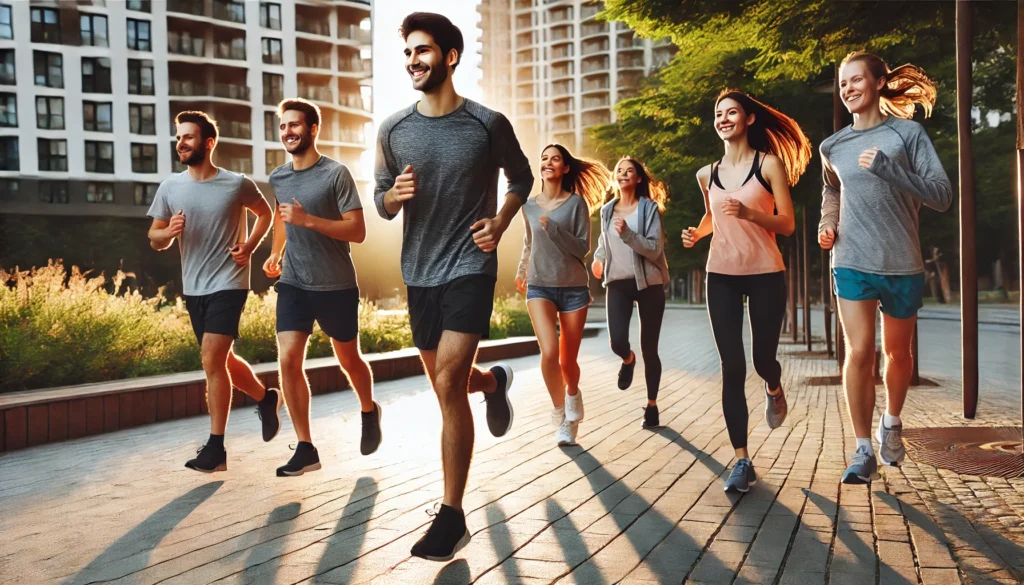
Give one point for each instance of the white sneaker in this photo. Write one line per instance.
(566, 433)
(557, 416)
(574, 407)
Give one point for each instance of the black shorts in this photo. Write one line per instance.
(218, 312)
(463, 305)
(337, 311)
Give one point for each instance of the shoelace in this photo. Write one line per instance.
(200, 450)
(741, 468)
(892, 438)
(861, 457)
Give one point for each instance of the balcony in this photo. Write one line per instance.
(563, 88)
(189, 88)
(562, 107)
(229, 11)
(523, 57)
(561, 33)
(595, 65)
(629, 62)
(350, 135)
(234, 129)
(562, 71)
(313, 26)
(592, 28)
(352, 32)
(596, 118)
(590, 103)
(562, 52)
(313, 61)
(563, 125)
(316, 93)
(524, 4)
(234, 49)
(629, 80)
(238, 165)
(592, 47)
(560, 16)
(627, 42)
(589, 11)
(185, 44)
(355, 65)
(354, 101)
(595, 84)
(190, 7)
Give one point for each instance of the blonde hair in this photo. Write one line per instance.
(905, 86)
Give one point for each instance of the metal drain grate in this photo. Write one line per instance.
(988, 451)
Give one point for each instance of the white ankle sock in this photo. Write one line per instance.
(889, 420)
(866, 443)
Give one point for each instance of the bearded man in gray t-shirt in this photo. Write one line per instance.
(205, 208)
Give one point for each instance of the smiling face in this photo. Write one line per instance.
(858, 87)
(626, 176)
(552, 164)
(190, 146)
(296, 135)
(424, 62)
(731, 121)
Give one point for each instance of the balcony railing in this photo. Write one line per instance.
(352, 135)
(313, 61)
(593, 29)
(353, 100)
(183, 87)
(193, 7)
(312, 26)
(230, 11)
(560, 16)
(235, 129)
(563, 52)
(624, 62)
(185, 44)
(557, 72)
(239, 165)
(595, 65)
(592, 84)
(561, 89)
(355, 65)
(560, 34)
(316, 93)
(230, 50)
(595, 102)
(352, 32)
(629, 43)
(592, 47)
(562, 107)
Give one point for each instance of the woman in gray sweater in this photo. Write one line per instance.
(554, 276)
(877, 174)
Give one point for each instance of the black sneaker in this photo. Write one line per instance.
(269, 411)
(651, 418)
(446, 536)
(626, 373)
(499, 407)
(371, 430)
(209, 459)
(305, 459)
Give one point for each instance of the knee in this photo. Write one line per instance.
(292, 360)
(549, 356)
(214, 359)
(449, 384)
(568, 365)
(620, 347)
(861, 356)
(900, 356)
(765, 366)
(351, 361)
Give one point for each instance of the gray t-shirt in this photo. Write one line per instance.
(621, 266)
(312, 260)
(874, 211)
(215, 222)
(554, 257)
(456, 158)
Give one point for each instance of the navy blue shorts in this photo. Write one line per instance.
(565, 298)
(337, 311)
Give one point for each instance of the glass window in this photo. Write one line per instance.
(45, 25)
(97, 116)
(273, 89)
(94, 30)
(142, 118)
(138, 35)
(144, 193)
(270, 127)
(99, 192)
(143, 158)
(140, 77)
(6, 30)
(99, 156)
(272, 51)
(53, 155)
(49, 69)
(8, 110)
(96, 75)
(275, 158)
(53, 191)
(9, 160)
(139, 5)
(50, 112)
(7, 76)
(270, 15)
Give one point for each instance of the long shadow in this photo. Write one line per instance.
(345, 542)
(264, 559)
(501, 540)
(703, 457)
(572, 543)
(454, 573)
(130, 553)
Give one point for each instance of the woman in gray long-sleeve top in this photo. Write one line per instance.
(630, 258)
(554, 276)
(877, 174)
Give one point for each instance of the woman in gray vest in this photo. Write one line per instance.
(630, 259)
(553, 274)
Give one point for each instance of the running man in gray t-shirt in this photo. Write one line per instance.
(205, 209)
(438, 162)
(319, 214)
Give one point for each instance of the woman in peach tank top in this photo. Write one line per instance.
(747, 202)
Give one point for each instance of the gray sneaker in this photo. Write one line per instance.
(863, 469)
(890, 443)
(775, 408)
(741, 478)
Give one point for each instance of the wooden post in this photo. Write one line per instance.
(793, 291)
(807, 284)
(1020, 173)
(839, 120)
(968, 255)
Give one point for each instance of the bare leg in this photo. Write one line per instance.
(569, 347)
(858, 318)
(897, 337)
(544, 315)
(243, 378)
(356, 370)
(292, 351)
(214, 352)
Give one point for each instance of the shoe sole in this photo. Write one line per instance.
(567, 443)
(380, 415)
(657, 426)
(461, 544)
(508, 401)
(221, 467)
(305, 469)
(735, 490)
(280, 403)
(567, 410)
(881, 457)
(854, 479)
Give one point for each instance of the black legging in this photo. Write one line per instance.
(650, 303)
(766, 303)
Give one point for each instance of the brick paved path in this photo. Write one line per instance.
(626, 506)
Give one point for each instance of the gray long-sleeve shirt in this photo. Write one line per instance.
(456, 158)
(874, 210)
(554, 256)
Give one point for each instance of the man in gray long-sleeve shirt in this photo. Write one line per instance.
(438, 161)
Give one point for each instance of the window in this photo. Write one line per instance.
(49, 112)
(140, 77)
(273, 89)
(99, 157)
(272, 51)
(45, 25)
(97, 116)
(176, 165)
(144, 193)
(139, 5)
(96, 75)
(9, 110)
(6, 30)
(7, 76)
(53, 155)
(9, 154)
(138, 35)
(9, 189)
(94, 30)
(143, 158)
(142, 118)
(270, 15)
(270, 126)
(53, 191)
(275, 158)
(49, 68)
(99, 193)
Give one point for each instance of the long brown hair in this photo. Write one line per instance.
(774, 132)
(649, 186)
(905, 86)
(586, 177)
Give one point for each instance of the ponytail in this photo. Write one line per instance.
(775, 133)
(905, 86)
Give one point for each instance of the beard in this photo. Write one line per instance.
(305, 141)
(434, 78)
(196, 158)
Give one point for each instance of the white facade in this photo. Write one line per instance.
(199, 61)
(555, 70)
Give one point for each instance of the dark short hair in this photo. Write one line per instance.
(446, 35)
(207, 125)
(310, 110)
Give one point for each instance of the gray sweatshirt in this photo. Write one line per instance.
(456, 158)
(650, 266)
(878, 232)
(554, 257)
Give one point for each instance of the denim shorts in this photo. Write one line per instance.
(565, 298)
(899, 296)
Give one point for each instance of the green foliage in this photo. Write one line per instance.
(510, 318)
